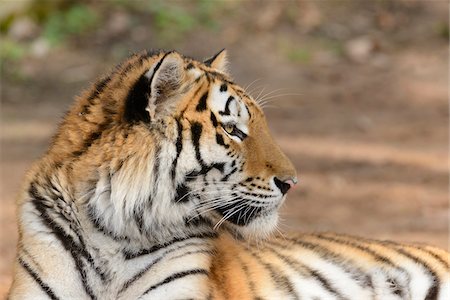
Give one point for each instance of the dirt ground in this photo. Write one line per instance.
(368, 136)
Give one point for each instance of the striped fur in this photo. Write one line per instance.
(163, 182)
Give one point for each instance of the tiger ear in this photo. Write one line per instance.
(218, 61)
(165, 79)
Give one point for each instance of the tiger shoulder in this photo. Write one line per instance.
(163, 182)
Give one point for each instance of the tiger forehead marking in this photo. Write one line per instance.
(230, 108)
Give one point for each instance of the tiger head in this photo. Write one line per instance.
(166, 141)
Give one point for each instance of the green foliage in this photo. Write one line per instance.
(6, 22)
(299, 55)
(442, 30)
(293, 52)
(174, 19)
(73, 21)
(11, 51)
(206, 12)
(333, 45)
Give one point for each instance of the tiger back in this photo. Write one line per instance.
(163, 182)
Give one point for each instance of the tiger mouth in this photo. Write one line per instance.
(243, 212)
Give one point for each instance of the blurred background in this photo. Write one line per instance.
(359, 96)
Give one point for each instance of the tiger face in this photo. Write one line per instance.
(240, 176)
(251, 175)
(183, 143)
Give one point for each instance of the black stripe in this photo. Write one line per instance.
(277, 275)
(210, 60)
(201, 106)
(214, 119)
(204, 170)
(99, 87)
(218, 166)
(437, 257)
(157, 152)
(133, 60)
(223, 87)
(100, 227)
(141, 273)
(302, 269)
(39, 281)
(432, 293)
(138, 96)
(227, 176)
(205, 251)
(137, 101)
(220, 141)
(178, 147)
(93, 137)
(360, 244)
(190, 66)
(352, 244)
(433, 290)
(248, 276)
(176, 276)
(248, 111)
(123, 67)
(205, 235)
(181, 194)
(138, 215)
(158, 65)
(227, 107)
(196, 132)
(354, 272)
(66, 240)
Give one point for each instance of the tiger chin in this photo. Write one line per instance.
(163, 182)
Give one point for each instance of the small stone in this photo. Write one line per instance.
(39, 48)
(310, 16)
(118, 23)
(23, 29)
(269, 16)
(360, 49)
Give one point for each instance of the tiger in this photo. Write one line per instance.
(164, 182)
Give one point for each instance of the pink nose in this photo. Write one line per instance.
(285, 185)
(292, 182)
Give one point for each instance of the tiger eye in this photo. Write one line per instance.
(228, 128)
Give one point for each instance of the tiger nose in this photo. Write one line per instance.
(285, 185)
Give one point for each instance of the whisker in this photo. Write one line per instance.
(280, 232)
(278, 96)
(255, 89)
(228, 215)
(269, 106)
(270, 93)
(257, 97)
(199, 191)
(214, 204)
(249, 85)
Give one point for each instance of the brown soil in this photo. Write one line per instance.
(369, 139)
